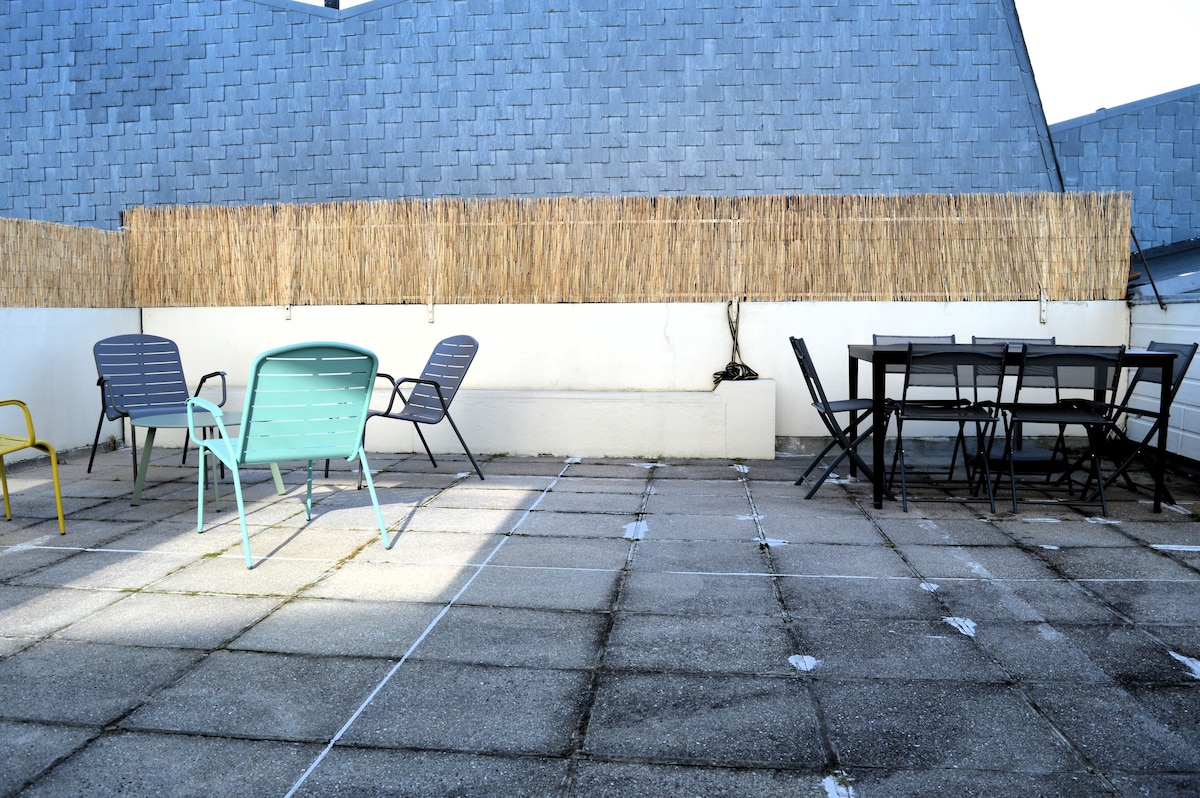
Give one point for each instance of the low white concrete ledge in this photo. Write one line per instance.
(736, 420)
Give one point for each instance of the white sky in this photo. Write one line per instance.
(1092, 54)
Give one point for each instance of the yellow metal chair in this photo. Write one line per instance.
(15, 443)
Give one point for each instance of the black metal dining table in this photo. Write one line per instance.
(885, 358)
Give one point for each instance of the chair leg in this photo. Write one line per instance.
(49, 450)
(96, 440)
(133, 449)
(817, 461)
(366, 469)
(421, 435)
(470, 456)
(4, 487)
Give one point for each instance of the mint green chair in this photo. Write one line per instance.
(303, 402)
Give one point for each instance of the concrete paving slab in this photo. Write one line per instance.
(728, 719)
(858, 597)
(544, 588)
(262, 696)
(109, 569)
(486, 709)
(602, 779)
(940, 724)
(85, 683)
(699, 644)
(170, 620)
(748, 642)
(1017, 600)
(28, 749)
(548, 552)
(700, 527)
(949, 532)
(1039, 652)
(824, 559)
(331, 627)
(698, 593)
(433, 548)
(1131, 739)
(514, 637)
(373, 772)
(1150, 602)
(892, 649)
(849, 531)
(176, 765)
(38, 612)
(707, 556)
(380, 581)
(975, 562)
(588, 525)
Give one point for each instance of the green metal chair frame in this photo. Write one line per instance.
(304, 402)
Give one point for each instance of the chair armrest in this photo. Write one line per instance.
(220, 374)
(112, 410)
(204, 404)
(28, 418)
(418, 381)
(394, 385)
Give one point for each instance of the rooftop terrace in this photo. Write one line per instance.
(591, 628)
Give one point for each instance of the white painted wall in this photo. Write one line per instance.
(46, 362)
(1178, 323)
(620, 380)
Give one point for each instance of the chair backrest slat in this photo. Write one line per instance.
(306, 402)
(811, 379)
(143, 375)
(447, 366)
(1071, 368)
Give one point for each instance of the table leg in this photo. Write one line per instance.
(144, 466)
(853, 374)
(878, 427)
(1164, 408)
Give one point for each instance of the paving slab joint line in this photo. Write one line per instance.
(420, 639)
(589, 697)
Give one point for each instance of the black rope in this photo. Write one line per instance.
(736, 369)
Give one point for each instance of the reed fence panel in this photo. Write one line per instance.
(972, 247)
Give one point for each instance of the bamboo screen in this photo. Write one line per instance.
(1070, 247)
(44, 265)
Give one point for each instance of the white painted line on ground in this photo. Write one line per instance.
(420, 639)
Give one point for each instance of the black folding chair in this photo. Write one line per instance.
(860, 415)
(973, 376)
(1122, 449)
(1085, 380)
(905, 340)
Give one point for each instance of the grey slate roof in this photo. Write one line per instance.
(146, 102)
(1150, 148)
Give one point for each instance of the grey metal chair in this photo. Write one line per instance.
(430, 395)
(141, 375)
